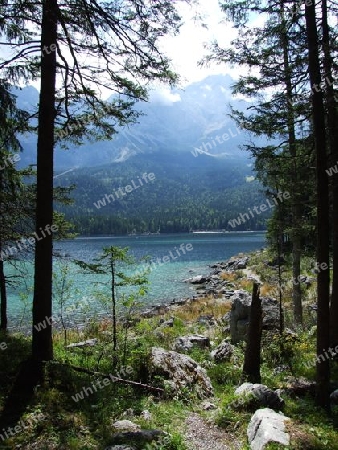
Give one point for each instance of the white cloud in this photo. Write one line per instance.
(189, 47)
(163, 95)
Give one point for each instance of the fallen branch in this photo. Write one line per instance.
(116, 379)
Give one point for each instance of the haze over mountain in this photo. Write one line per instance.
(194, 120)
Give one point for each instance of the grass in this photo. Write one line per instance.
(55, 421)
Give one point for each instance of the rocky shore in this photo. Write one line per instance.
(209, 285)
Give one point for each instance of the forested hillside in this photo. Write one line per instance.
(187, 193)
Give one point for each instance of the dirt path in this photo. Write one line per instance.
(201, 435)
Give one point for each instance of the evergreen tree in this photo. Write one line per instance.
(120, 42)
(277, 51)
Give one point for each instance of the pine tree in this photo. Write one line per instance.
(87, 47)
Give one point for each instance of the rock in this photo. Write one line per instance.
(226, 318)
(180, 371)
(87, 343)
(259, 395)
(120, 447)
(267, 426)
(128, 413)
(199, 279)
(161, 309)
(130, 322)
(222, 352)
(167, 323)
(208, 320)
(125, 425)
(242, 263)
(135, 439)
(235, 264)
(299, 387)
(186, 343)
(148, 314)
(240, 315)
(208, 406)
(334, 397)
(270, 309)
(146, 415)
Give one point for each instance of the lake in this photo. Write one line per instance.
(174, 258)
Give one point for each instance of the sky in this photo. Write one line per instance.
(186, 49)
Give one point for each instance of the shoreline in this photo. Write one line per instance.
(204, 286)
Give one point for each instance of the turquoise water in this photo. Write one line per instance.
(174, 258)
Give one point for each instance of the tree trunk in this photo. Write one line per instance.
(3, 291)
(251, 367)
(296, 219)
(323, 276)
(3, 296)
(296, 289)
(333, 142)
(42, 345)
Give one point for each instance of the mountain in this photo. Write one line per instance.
(186, 140)
(191, 120)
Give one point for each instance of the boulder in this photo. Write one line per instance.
(179, 371)
(240, 315)
(186, 343)
(259, 395)
(267, 426)
(222, 352)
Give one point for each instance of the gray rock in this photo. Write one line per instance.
(267, 426)
(167, 323)
(180, 371)
(126, 425)
(120, 447)
(259, 395)
(199, 279)
(186, 343)
(135, 439)
(334, 397)
(161, 309)
(222, 352)
(240, 315)
(235, 264)
(146, 415)
(87, 343)
(208, 320)
(148, 313)
(299, 387)
(226, 318)
(208, 406)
